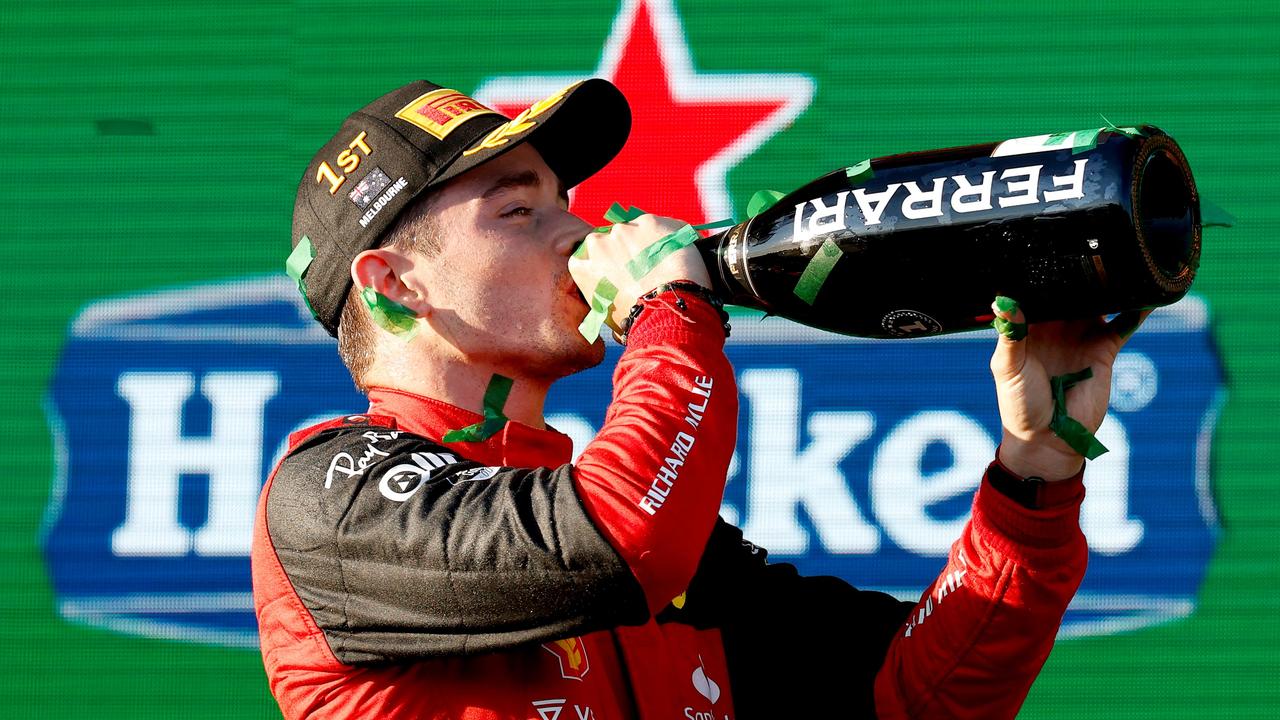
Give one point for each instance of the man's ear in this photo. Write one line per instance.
(388, 272)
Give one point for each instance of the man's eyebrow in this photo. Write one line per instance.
(526, 178)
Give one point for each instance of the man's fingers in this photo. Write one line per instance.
(1011, 347)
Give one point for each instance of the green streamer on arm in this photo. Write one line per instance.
(817, 271)
(601, 301)
(389, 314)
(495, 398)
(296, 266)
(1067, 427)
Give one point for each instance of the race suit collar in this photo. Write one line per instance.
(516, 445)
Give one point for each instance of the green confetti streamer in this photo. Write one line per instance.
(1212, 215)
(761, 201)
(1130, 131)
(1006, 304)
(1057, 138)
(296, 266)
(648, 259)
(817, 271)
(495, 398)
(601, 301)
(1067, 427)
(860, 172)
(1084, 140)
(714, 224)
(1013, 330)
(618, 214)
(389, 314)
(300, 259)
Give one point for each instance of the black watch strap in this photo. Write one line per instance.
(1024, 491)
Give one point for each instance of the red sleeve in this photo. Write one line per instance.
(980, 634)
(653, 478)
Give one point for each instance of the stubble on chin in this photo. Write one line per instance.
(573, 355)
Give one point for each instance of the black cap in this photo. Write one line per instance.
(415, 138)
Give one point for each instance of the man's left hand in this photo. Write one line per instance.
(1022, 369)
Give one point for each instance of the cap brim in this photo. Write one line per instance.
(576, 137)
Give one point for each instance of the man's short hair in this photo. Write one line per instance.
(416, 230)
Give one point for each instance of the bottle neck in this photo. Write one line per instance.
(724, 283)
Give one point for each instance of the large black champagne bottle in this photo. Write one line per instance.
(1071, 225)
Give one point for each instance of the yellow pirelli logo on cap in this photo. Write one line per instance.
(440, 111)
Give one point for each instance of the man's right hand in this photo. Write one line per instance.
(607, 255)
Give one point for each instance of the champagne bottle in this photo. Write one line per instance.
(1071, 225)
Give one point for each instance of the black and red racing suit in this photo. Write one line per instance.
(396, 576)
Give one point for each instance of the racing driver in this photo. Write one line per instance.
(441, 555)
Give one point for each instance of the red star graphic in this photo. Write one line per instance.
(687, 128)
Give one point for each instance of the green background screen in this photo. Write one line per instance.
(159, 145)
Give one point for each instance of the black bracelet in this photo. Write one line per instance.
(686, 286)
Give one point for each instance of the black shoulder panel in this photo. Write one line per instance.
(401, 549)
(796, 646)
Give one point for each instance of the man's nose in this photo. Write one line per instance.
(570, 233)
